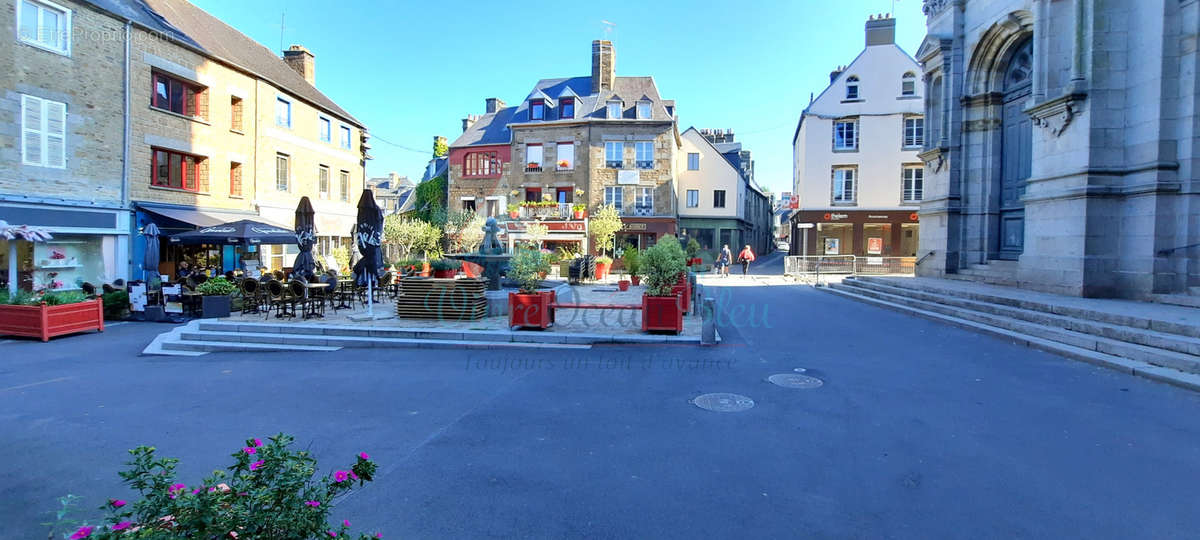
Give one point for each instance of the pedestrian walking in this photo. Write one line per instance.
(726, 260)
(745, 257)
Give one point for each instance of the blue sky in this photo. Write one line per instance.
(412, 70)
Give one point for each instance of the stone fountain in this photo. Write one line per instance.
(491, 255)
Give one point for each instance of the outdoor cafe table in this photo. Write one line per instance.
(316, 286)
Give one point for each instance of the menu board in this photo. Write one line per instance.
(137, 297)
(173, 298)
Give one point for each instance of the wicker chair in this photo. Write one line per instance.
(251, 297)
(279, 298)
(298, 291)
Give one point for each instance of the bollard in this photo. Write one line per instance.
(697, 296)
(708, 328)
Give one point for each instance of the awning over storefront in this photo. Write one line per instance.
(199, 217)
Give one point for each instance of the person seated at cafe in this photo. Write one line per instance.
(185, 271)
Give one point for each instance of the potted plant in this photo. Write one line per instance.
(51, 314)
(579, 211)
(514, 211)
(564, 165)
(529, 307)
(693, 250)
(603, 265)
(662, 263)
(633, 264)
(445, 269)
(215, 299)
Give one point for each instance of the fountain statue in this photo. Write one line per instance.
(491, 255)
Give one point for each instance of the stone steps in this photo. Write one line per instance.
(1163, 350)
(204, 346)
(317, 342)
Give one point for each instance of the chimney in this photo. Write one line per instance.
(470, 119)
(833, 75)
(299, 59)
(881, 30)
(494, 104)
(604, 65)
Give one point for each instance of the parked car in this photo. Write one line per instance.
(783, 246)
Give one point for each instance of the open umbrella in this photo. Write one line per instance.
(306, 236)
(241, 232)
(150, 261)
(368, 235)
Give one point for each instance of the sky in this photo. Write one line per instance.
(412, 70)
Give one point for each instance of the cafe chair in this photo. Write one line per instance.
(251, 297)
(279, 299)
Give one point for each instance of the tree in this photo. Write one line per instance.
(604, 225)
(440, 148)
(456, 224)
(471, 236)
(408, 235)
(535, 233)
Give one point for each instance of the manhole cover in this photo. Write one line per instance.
(795, 380)
(722, 402)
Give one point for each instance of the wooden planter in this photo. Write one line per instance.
(215, 306)
(45, 321)
(661, 314)
(683, 289)
(530, 310)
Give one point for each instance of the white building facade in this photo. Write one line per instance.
(856, 173)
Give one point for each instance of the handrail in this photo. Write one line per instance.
(1166, 252)
(923, 257)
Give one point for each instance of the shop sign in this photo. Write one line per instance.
(836, 217)
(634, 227)
(870, 216)
(832, 245)
(874, 245)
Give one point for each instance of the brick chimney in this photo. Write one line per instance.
(469, 121)
(604, 65)
(881, 30)
(299, 59)
(494, 104)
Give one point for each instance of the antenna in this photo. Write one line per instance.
(609, 27)
(282, 17)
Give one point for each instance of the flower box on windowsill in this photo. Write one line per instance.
(44, 322)
(533, 167)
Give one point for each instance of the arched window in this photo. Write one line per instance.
(933, 128)
(852, 87)
(908, 84)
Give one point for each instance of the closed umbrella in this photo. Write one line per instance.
(368, 235)
(306, 235)
(150, 261)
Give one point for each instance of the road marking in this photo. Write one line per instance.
(60, 379)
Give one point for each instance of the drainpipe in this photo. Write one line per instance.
(125, 140)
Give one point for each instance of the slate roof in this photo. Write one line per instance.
(493, 128)
(193, 26)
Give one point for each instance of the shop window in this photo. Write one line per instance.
(176, 170)
(877, 238)
(835, 239)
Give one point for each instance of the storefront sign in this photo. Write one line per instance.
(634, 227)
(876, 216)
(836, 217)
(831, 246)
(874, 245)
(558, 226)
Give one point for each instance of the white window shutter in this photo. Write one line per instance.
(31, 130)
(56, 126)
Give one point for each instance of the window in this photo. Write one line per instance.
(613, 195)
(283, 112)
(614, 109)
(914, 132)
(845, 135)
(719, 198)
(566, 108)
(566, 156)
(852, 87)
(468, 205)
(614, 154)
(176, 170)
(43, 132)
(324, 129)
(843, 186)
(323, 181)
(643, 109)
(533, 157)
(693, 161)
(282, 172)
(235, 179)
(914, 183)
(533, 194)
(45, 25)
(344, 184)
(645, 199)
(480, 164)
(693, 198)
(235, 113)
(908, 84)
(178, 96)
(935, 112)
(345, 138)
(562, 195)
(537, 110)
(644, 154)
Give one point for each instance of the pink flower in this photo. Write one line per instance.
(346, 522)
(354, 476)
(233, 534)
(249, 450)
(117, 503)
(340, 476)
(223, 487)
(363, 455)
(257, 442)
(121, 526)
(197, 490)
(83, 532)
(332, 534)
(256, 465)
(378, 535)
(313, 504)
(175, 489)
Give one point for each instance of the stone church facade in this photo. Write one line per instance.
(1061, 145)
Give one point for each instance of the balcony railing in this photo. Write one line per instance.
(531, 167)
(558, 211)
(637, 210)
(614, 164)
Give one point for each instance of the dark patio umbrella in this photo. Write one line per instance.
(306, 236)
(368, 236)
(150, 261)
(241, 232)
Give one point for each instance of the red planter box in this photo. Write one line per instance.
(46, 322)
(683, 289)
(623, 285)
(602, 270)
(445, 274)
(637, 280)
(662, 314)
(530, 310)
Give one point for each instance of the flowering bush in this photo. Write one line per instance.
(269, 492)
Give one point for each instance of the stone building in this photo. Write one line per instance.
(588, 141)
(61, 127)
(392, 192)
(1062, 145)
(857, 178)
(719, 203)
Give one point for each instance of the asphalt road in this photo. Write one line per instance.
(920, 431)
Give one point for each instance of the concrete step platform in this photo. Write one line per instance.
(204, 346)
(292, 341)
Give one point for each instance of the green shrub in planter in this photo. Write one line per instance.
(633, 261)
(527, 267)
(64, 297)
(445, 265)
(21, 298)
(116, 305)
(216, 286)
(661, 264)
(216, 301)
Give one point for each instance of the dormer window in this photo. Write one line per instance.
(643, 110)
(614, 109)
(566, 108)
(908, 84)
(852, 87)
(537, 109)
